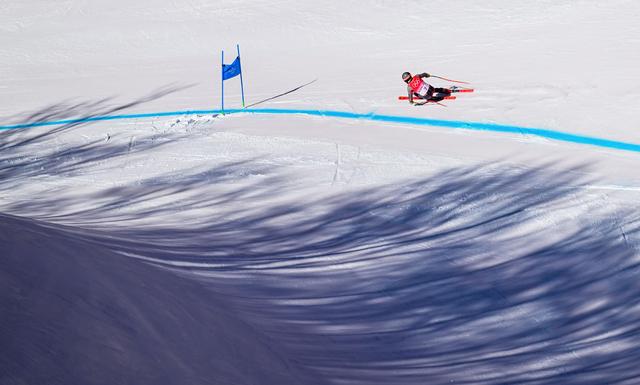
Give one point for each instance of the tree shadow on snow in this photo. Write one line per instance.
(478, 275)
(76, 112)
(32, 152)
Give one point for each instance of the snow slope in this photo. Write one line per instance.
(288, 248)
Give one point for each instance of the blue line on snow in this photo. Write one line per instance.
(539, 132)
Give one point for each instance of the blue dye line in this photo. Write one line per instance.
(539, 132)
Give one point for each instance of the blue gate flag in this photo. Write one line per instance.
(231, 70)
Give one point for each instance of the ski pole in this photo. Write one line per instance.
(449, 80)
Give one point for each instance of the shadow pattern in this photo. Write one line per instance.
(456, 278)
(68, 110)
(26, 154)
(476, 275)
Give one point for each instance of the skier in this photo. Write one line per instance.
(419, 88)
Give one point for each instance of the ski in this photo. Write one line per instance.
(452, 89)
(460, 89)
(417, 98)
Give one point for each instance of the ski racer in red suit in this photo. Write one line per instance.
(416, 87)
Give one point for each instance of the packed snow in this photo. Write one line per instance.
(275, 248)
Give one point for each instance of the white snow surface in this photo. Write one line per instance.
(357, 251)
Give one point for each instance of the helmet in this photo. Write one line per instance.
(406, 76)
